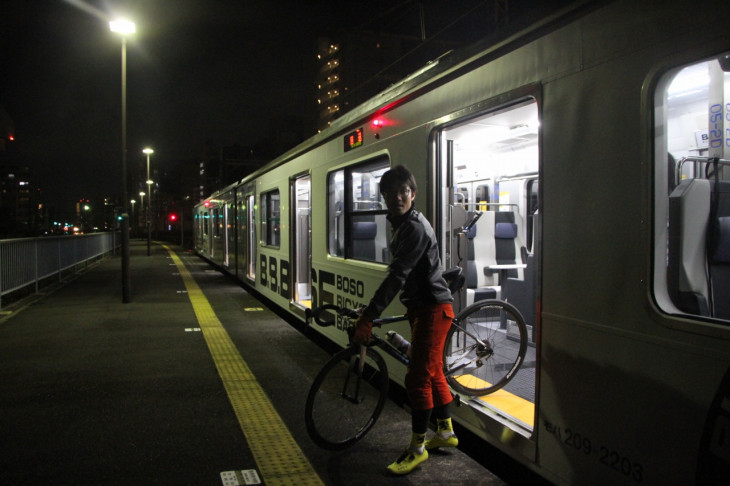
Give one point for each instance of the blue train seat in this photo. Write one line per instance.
(363, 240)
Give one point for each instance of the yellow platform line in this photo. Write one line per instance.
(279, 458)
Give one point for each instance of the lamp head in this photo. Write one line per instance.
(123, 27)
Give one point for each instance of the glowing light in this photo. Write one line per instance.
(378, 122)
(122, 27)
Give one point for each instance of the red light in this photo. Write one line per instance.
(378, 122)
(11, 137)
(173, 217)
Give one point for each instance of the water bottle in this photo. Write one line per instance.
(398, 342)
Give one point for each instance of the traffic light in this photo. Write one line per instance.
(172, 217)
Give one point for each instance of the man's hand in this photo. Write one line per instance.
(363, 330)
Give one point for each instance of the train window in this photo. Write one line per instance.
(692, 190)
(270, 218)
(357, 227)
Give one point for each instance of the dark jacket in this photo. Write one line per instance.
(414, 267)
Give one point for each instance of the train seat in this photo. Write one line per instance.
(507, 245)
(687, 278)
(719, 254)
(363, 240)
(699, 281)
(522, 292)
(480, 253)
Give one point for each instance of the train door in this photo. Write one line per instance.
(488, 166)
(240, 223)
(301, 238)
(250, 216)
(228, 233)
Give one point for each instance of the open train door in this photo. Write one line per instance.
(301, 239)
(487, 165)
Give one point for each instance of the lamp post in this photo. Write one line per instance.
(142, 194)
(124, 28)
(133, 201)
(148, 152)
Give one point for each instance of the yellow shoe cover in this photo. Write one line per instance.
(408, 461)
(438, 441)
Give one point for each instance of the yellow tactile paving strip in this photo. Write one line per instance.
(278, 457)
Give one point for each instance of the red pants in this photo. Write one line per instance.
(425, 382)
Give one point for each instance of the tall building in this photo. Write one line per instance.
(357, 68)
(328, 82)
(20, 206)
(357, 64)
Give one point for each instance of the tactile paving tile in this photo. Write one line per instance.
(278, 456)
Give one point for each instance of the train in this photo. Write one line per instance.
(595, 145)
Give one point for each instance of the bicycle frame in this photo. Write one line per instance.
(483, 349)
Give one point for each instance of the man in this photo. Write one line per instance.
(415, 268)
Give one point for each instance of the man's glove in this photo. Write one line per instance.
(363, 330)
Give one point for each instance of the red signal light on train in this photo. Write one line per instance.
(378, 122)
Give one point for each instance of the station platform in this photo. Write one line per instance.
(194, 382)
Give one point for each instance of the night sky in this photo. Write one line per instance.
(214, 70)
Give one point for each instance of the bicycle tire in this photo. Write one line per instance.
(481, 366)
(335, 419)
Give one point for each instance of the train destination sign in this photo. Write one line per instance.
(353, 140)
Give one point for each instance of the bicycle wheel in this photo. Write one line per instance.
(485, 347)
(343, 403)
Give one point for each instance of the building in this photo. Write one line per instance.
(21, 211)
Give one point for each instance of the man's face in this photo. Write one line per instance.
(400, 200)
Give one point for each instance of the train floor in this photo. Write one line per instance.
(193, 382)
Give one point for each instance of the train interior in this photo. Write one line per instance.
(694, 106)
(491, 163)
(302, 240)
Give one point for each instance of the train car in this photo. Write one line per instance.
(595, 144)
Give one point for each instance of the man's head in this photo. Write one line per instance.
(398, 187)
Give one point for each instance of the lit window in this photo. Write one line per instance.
(356, 225)
(270, 218)
(691, 214)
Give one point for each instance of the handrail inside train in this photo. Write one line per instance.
(696, 160)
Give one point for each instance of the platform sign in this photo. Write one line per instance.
(719, 113)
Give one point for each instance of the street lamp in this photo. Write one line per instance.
(124, 28)
(133, 201)
(142, 194)
(148, 151)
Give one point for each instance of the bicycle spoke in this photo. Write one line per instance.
(344, 402)
(480, 355)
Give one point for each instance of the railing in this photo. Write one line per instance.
(26, 262)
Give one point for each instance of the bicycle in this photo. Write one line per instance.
(485, 347)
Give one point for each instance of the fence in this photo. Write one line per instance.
(26, 262)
